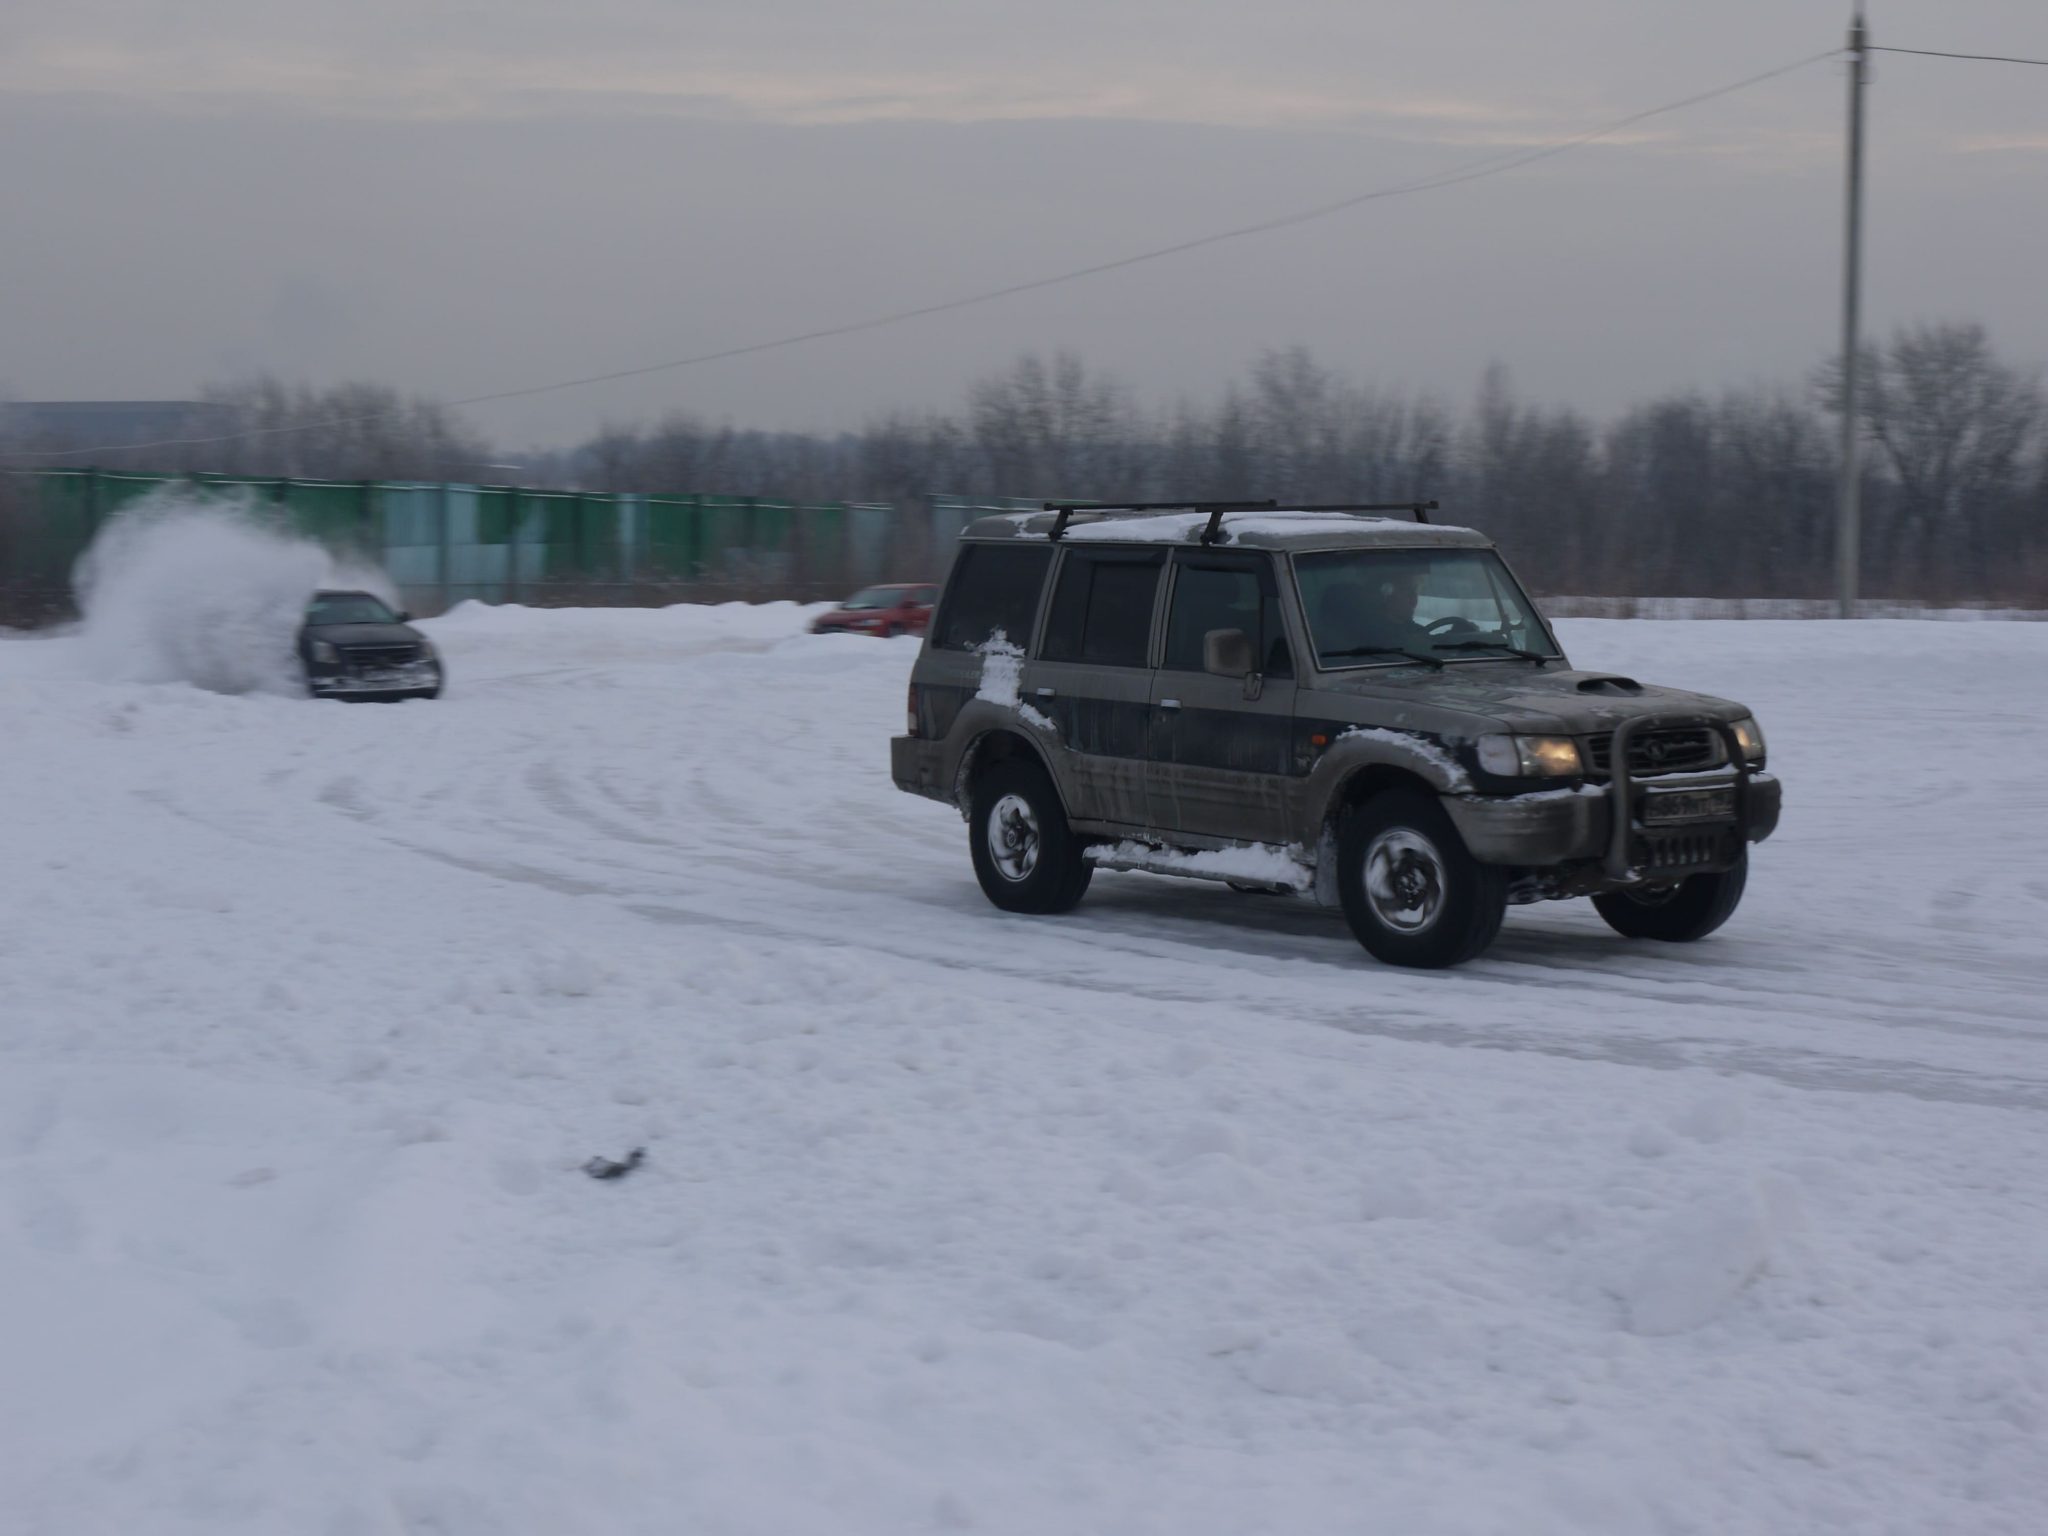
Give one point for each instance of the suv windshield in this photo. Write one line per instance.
(1369, 607)
(349, 608)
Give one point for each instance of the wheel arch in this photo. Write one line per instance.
(1358, 768)
(1350, 784)
(996, 744)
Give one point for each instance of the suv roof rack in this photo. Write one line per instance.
(1216, 510)
(1067, 509)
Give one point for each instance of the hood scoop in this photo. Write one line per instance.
(1607, 683)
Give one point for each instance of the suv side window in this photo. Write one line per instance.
(1226, 592)
(1102, 607)
(993, 587)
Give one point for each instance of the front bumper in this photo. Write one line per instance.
(416, 677)
(1566, 826)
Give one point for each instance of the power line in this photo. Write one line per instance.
(1492, 165)
(1936, 53)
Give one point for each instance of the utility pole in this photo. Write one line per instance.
(1849, 514)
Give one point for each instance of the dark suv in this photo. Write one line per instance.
(353, 646)
(1363, 708)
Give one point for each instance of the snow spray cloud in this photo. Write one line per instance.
(190, 588)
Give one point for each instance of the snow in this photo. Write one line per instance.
(1183, 527)
(1174, 1215)
(1769, 608)
(178, 588)
(1002, 672)
(1455, 779)
(1261, 862)
(1002, 669)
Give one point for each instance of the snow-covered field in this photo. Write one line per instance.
(1177, 1216)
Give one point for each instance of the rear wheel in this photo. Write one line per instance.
(1025, 855)
(1412, 892)
(1677, 913)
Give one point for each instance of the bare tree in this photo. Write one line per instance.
(1953, 425)
(1056, 430)
(355, 431)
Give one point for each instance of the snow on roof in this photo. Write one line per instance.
(1279, 528)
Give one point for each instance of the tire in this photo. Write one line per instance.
(1412, 892)
(889, 631)
(1025, 855)
(1678, 914)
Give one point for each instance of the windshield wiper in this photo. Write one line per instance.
(1494, 645)
(1387, 650)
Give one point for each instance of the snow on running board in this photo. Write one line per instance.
(1251, 863)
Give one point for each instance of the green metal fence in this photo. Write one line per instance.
(442, 543)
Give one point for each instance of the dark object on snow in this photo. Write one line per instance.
(605, 1168)
(1373, 701)
(353, 646)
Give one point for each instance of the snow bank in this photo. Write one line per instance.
(1769, 608)
(186, 588)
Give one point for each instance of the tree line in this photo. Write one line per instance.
(1692, 493)
(1688, 494)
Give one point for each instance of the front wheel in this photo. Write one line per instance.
(1677, 913)
(1025, 855)
(1412, 892)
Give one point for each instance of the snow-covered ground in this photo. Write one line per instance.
(1178, 1215)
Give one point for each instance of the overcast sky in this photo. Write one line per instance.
(463, 196)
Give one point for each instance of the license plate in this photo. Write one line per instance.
(1666, 805)
(384, 680)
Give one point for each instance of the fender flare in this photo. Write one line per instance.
(1390, 754)
(978, 722)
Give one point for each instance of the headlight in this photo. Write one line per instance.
(324, 651)
(1532, 757)
(1750, 736)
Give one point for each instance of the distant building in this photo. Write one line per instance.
(61, 424)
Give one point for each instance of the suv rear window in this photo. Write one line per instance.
(993, 587)
(1102, 608)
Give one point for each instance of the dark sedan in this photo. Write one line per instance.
(353, 646)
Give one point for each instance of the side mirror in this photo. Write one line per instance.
(404, 617)
(1227, 653)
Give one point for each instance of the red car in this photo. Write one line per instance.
(885, 611)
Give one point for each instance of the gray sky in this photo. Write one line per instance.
(461, 196)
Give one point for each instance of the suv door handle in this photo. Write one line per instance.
(1045, 693)
(1169, 703)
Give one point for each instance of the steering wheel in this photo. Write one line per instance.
(1450, 624)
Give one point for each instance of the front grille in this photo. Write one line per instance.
(364, 658)
(1654, 752)
(1683, 850)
